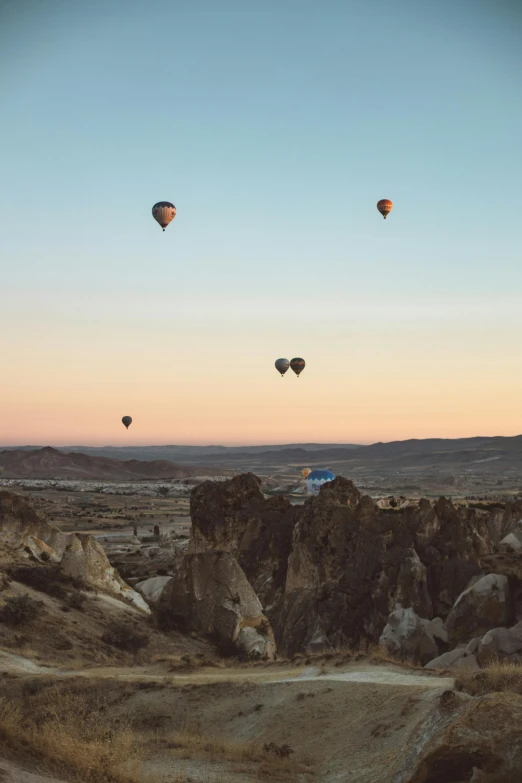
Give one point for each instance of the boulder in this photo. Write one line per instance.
(484, 605)
(456, 659)
(152, 589)
(511, 543)
(212, 595)
(501, 643)
(413, 637)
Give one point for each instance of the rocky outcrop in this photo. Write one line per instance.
(409, 636)
(213, 596)
(353, 564)
(484, 605)
(234, 517)
(341, 568)
(24, 531)
(467, 739)
(331, 572)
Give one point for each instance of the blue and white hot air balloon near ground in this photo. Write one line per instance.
(316, 479)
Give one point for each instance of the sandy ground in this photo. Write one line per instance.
(349, 724)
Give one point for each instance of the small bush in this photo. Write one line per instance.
(46, 579)
(165, 620)
(20, 610)
(76, 601)
(125, 637)
(282, 751)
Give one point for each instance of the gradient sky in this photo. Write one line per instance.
(274, 127)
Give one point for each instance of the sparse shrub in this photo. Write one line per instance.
(225, 648)
(165, 620)
(46, 579)
(282, 751)
(20, 610)
(163, 491)
(125, 637)
(76, 601)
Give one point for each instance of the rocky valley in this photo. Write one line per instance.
(216, 632)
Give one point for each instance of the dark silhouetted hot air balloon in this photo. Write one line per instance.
(384, 206)
(282, 365)
(164, 213)
(127, 421)
(297, 365)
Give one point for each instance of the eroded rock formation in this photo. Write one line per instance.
(26, 532)
(332, 571)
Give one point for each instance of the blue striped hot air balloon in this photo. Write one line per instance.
(316, 479)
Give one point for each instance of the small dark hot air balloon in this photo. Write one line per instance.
(164, 213)
(282, 366)
(297, 365)
(384, 206)
(127, 421)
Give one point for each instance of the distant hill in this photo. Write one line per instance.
(185, 454)
(480, 455)
(49, 463)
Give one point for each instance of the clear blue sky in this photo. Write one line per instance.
(274, 127)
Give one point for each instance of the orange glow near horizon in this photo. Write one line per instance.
(71, 382)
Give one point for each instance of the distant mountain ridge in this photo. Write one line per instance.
(481, 454)
(49, 463)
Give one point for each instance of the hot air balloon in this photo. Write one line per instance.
(164, 213)
(127, 421)
(282, 366)
(316, 479)
(306, 472)
(297, 365)
(384, 206)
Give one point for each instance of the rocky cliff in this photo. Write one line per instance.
(331, 572)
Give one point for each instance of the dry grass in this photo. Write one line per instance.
(64, 731)
(495, 676)
(74, 730)
(250, 757)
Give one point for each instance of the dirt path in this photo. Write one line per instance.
(383, 674)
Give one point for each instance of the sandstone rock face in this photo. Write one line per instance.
(332, 571)
(234, 517)
(25, 531)
(467, 739)
(221, 602)
(412, 637)
(485, 605)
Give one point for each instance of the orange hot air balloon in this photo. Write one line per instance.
(306, 472)
(384, 206)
